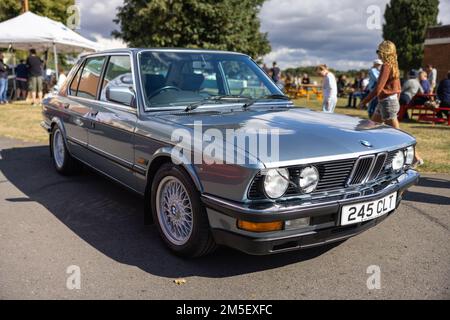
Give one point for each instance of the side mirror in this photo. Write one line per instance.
(121, 94)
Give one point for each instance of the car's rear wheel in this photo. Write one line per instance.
(179, 214)
(64, 163)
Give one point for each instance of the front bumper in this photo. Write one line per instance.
(325, 230)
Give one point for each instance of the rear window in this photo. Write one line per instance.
(90, 77)
(74, 85)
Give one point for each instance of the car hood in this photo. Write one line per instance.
(303, 135)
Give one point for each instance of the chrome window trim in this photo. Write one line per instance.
(181, 107)
(109, 103)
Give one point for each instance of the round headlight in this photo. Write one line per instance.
(276, 182)
(409, 155)
(398, 161)
(309, 178)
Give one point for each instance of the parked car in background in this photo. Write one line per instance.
(333, 177)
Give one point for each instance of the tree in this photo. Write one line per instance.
(54, 9)
(406, 25)
(210, 24)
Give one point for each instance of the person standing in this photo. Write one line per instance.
(61, 79)
(21, 80)
(3, 81)
(276, 72)
(432, 76)
(329, 88)
(374, 73)
(387, 90)
(35, 70)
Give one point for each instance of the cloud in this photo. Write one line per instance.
(337, 33)
(97, 21)
(301, 32)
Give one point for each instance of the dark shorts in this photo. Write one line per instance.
(22, 85)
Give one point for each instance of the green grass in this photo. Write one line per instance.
(21, 121)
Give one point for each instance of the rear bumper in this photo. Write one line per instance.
(286, 240)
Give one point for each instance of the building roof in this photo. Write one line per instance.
(438, 35)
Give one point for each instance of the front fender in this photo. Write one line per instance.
(166, 152)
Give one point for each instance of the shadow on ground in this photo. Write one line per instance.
(428, 197)
(110, 219)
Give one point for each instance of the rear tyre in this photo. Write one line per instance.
(64, 163)
(178, 213)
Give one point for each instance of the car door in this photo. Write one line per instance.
(77, 105)
(111, 135)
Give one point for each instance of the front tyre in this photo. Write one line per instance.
(179, 214)
(64, 163)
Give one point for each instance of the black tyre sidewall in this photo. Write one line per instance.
(69, 165)
(200, 239)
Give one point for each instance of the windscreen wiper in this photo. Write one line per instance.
(215, 99)
(268, 97)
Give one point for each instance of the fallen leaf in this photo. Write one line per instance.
(179, 281)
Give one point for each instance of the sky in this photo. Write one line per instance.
(343, 34)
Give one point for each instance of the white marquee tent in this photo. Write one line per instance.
(30, 30)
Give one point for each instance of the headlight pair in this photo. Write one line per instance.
(276, 181)
(403, 157)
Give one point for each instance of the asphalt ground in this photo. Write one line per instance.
(50, 223)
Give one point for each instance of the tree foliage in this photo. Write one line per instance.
(406, 25)
(209, 24)
(54, 9)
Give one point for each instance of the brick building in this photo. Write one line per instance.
(437, 49)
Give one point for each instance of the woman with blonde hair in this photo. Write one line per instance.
(329, 88)
(388, 89)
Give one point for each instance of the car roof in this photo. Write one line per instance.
(130, 50)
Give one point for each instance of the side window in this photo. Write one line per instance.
(90, 77)
(75, 81)
(118, 74)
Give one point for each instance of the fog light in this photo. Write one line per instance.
(260, 226)
(297, 223)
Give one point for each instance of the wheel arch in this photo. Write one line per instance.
(161, 157)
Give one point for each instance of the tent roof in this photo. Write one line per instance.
(29, 30)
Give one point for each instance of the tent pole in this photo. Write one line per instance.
(55, 56)
(13, 68)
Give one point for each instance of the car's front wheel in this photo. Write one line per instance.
(63, 161)
(179, 214)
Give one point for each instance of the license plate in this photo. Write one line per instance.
(360, 212)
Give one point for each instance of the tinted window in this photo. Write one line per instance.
(74, 84)
(118, 73)
(90, 77)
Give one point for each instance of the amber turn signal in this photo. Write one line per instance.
(260, 226)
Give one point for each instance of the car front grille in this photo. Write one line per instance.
(334, 175)
(367, 168)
